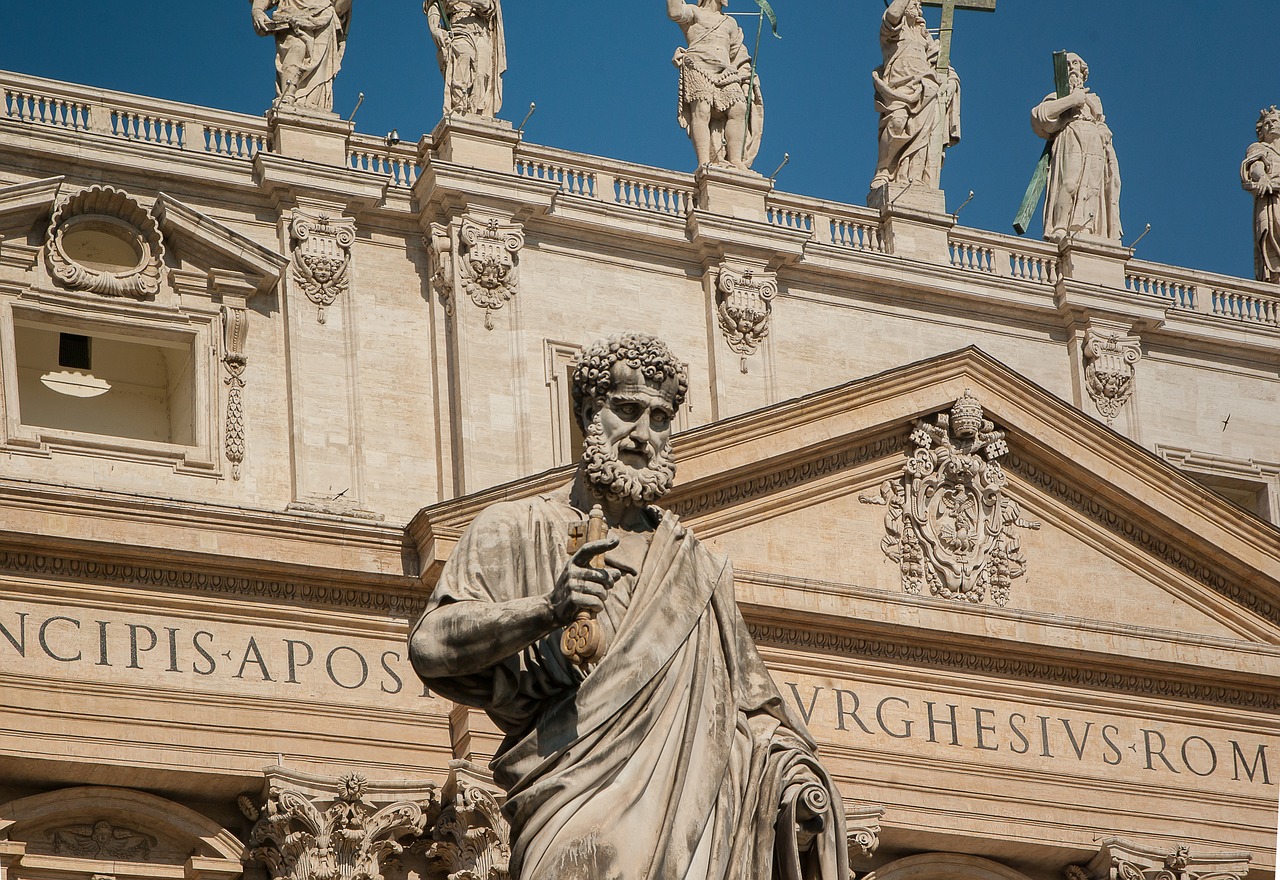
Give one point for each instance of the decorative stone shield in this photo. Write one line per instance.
(744, 304)
(322, 256)
(1109, 370)
(489, 262)
(950, 525)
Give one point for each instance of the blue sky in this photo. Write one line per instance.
(1182, 83)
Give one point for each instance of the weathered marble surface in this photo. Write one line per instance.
(471, 50)
(1084, 177)
(912, 99)
(671, 756)
(721, 107)
(1260, 175)
(311, 37)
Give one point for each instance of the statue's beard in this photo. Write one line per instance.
(609, 478)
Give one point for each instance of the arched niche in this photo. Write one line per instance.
(79, 833)
(946, 866)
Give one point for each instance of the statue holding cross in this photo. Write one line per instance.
(917, 92)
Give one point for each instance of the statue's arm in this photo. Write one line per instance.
(897, 9)
(462, 638)
(260, 18)
(679, 11)
(435, 23)
(342, 7)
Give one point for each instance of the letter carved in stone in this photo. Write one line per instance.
(744, 305)
(488, 262)
(1109, 370)
(102, 840)
(235, 328)
(950, 525)
(322, 256)
(348, 840)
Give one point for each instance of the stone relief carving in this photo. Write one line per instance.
(102, 840)
(744, 304)
(1260, 175)
(471, 50)
(864, 830)
(1109, 370)
(333, 829)
(720, 103)
(1083, 193)
(102, 241)
(322, 256)
(950, 526)
(479, 256)
(235, 328)
(1120, 859)
(311, 37)
(348, 840)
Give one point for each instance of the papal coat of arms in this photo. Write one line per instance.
(950, 526)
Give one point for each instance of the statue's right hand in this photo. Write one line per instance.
(261, 23)
(581, 587)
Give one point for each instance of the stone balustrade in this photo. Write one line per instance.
(171, 126)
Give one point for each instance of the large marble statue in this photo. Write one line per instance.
(1260, 175)
(1083, 193)
(471, 50)
(311, 36)
(716, 86)
(672, 755)
(912, 99)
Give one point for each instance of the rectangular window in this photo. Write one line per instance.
(74, 352)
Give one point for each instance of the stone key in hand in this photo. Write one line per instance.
(583, 641)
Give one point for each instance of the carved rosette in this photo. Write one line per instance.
(487, 262)
(102, 241)
(744, 305)
(322, 256)
(1109, 370)
(299, 840)
(950, 526)
(235, 329)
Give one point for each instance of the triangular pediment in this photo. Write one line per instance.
(1128, 560)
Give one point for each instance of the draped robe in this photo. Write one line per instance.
(1266, 208)
(1083, 192)
(675, 757)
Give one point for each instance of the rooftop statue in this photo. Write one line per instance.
(720, 103)
(311, 36)
(645, 737)
(1260, 175)
(1084, 177)
(913, 100)
(471, 50)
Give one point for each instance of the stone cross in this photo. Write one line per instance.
(949, 8)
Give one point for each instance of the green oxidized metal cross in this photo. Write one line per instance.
(949, 8)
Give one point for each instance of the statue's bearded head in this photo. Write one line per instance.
(1078, 71)
(626, 391)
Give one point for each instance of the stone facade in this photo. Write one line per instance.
(241, 354)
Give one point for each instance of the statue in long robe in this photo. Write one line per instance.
(912, 99)
(673, 754)
(720, 103)
(1083, 192)
(311, 37)
(1260, 175)
(471, 50)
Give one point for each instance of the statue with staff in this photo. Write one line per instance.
(471, 51)
(917, 92)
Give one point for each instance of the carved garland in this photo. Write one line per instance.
(744, 305)
(950, 526)
(111, 214)
(322, 256)
(1109, 370)
(235, 330)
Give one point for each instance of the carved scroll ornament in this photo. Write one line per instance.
(744, 305)
(322, 256)
(235, 329)
(1109, 370)
(950, 526)
(102, 241)
(488, 263)
(1120, 859)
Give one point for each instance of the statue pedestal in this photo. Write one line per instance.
(474, 142)
(1093, 260)
(312, 137)
(732, 193)
(915, 221)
